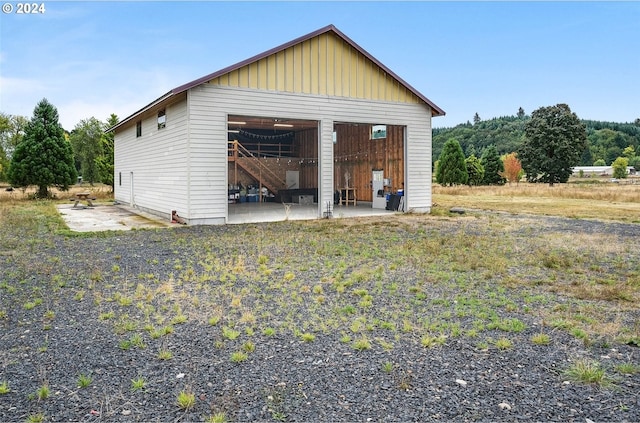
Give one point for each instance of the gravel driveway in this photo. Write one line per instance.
(93, 305)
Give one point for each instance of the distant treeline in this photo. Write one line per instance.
(607, 140)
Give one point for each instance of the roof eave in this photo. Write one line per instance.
(148, 107)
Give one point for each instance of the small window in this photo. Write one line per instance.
(139, 128)
(162, 119)
(120, 178)
(378, 132)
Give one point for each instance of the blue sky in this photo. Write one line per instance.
(97, 58)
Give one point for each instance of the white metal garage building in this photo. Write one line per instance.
(318, 108)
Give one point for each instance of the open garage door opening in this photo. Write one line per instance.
(271, 160)
(369, 165)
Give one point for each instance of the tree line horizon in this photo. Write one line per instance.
(38, 151)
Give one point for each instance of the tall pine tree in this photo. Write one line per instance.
(43, 157)
(452, 169)
(474, 170)
(493, 166)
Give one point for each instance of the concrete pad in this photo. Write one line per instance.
(107, 217)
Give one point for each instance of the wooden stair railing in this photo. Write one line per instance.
(254, 167)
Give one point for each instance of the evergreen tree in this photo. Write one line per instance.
(520, 113)
(476, 118)
(452, 169)
(493, 166)
(43, 157)
(470, 150)
(555, 140)
(475, 171)
(105, 161)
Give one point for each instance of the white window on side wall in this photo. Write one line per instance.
(162, 119)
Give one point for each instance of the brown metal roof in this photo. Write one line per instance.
(437, 111)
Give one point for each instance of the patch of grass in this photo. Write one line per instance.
(165, 355)
(138, 384)
(106, 316)
(268, 331)
(507, 325)
(4, 387)
(35, 418)
(84, 380)
(503, 344)
(429, 341)
(220, 417)
(387, 367)
(229, 333)
(249, 347)
(345, 339)
(362, 344)
(627, 368)
(588, 372)
(186, 400)
(30, 305)
(125, 344)
(482, 345)
(43, 392)
(541, 339)
(239, 356)
(179, 319)
(307, 337)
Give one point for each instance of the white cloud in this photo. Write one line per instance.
(84, 89)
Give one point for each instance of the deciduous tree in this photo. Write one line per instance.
(555, 140)
(452, 169)
(43, 157)
(512, 168)
(11, 132)
(620, 167)
(86, 140)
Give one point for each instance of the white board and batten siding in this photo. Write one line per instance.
(210, 104)
(158, 162)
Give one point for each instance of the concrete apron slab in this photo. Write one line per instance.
(107, 217)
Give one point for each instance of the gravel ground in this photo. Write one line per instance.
(284, 379)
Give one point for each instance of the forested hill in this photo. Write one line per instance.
(607, 140)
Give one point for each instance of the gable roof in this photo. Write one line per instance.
(327, 29)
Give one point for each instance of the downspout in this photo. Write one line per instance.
(188, 154)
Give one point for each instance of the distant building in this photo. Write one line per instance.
(599, 170)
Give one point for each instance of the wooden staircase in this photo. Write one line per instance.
(254, 167)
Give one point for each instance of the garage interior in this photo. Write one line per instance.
(273, 169)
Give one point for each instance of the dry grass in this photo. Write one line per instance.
(607, 201)
(99, 191)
